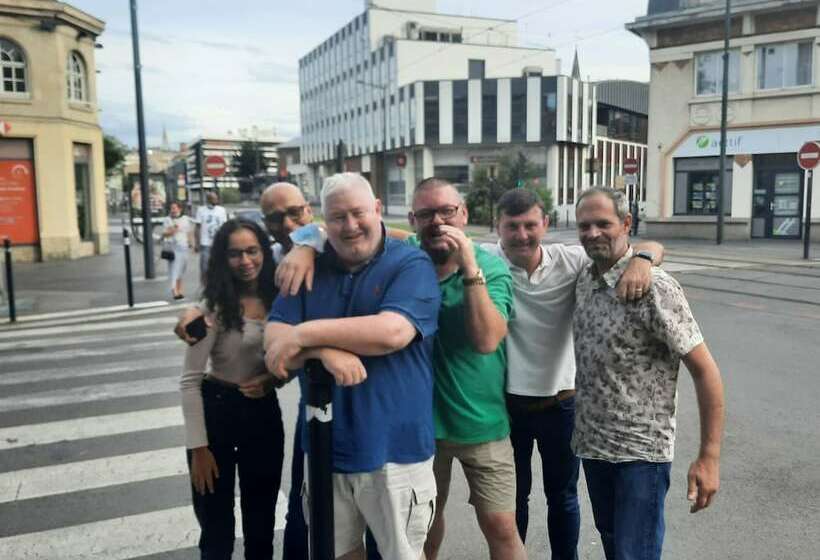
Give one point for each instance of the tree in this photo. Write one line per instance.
(514, 170)
(113, 153)
(248, 163)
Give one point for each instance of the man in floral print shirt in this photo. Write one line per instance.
(627, 356)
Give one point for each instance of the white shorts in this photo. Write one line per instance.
(397, 503)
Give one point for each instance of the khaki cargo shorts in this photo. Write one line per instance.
(397, 503)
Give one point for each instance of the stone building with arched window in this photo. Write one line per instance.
(52, 174)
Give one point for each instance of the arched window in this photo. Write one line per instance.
(13, 68)
(76, 78)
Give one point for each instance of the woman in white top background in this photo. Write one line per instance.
(232, 416)
(178, 235)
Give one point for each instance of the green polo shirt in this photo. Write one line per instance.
(468, 391)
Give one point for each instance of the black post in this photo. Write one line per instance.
(319, 419)
(126, 244)
(147, 246)
(724, 101)
(807, 229)
(10, 281)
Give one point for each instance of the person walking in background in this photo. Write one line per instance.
(232, 415)
(208, 219)
(177, 232)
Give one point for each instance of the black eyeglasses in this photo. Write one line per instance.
(292, 212)
(427, 214)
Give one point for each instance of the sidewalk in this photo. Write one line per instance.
(93, 282)
(99, 281)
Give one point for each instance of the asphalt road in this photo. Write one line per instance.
(91, 464)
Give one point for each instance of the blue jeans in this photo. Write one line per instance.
(551, 429)
(244, 435)
(627, 503)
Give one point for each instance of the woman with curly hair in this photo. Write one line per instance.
(232, 416)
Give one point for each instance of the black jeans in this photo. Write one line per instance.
(551, 429)
(244, 434)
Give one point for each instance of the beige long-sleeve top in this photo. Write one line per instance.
(229, 355)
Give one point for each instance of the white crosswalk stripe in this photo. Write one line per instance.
(69, 442)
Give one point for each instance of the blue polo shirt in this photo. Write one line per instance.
(389, 417)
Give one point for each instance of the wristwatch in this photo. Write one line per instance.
(644, 255)
(477, 280)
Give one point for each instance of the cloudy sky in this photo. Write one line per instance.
(211, 66)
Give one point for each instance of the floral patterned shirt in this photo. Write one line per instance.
(627, 356)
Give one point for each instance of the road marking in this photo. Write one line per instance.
(80, 340)
(90, 327)
(95, 473)
(121, 538)
(92, 311)
(80, 395)
(62, 355)
(81, 371)
(90, 427)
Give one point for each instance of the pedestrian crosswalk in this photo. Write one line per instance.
(92, 463)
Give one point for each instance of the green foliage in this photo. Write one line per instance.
(114, 154)
(249, 163)
(513, 170)
(230, 196)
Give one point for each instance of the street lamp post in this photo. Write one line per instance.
(147, 245)
(724, 101)
(383, 88)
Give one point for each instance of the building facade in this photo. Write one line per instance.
(400, 95)
(293, 170)
(52, 171)
(773, 108)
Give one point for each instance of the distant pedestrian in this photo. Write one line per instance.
(628, 355)
(232, 415)
(208, 219)
(177, 232)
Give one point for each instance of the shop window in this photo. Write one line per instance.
(784, 65)
(13, 68)
(709, 72)
(457, 175)
(76, 78)
(696, 181)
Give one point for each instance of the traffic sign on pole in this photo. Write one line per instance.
(807, 158)
(630, 166)
(215, 166)
(809, 155)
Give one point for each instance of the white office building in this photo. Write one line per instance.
(400, 95)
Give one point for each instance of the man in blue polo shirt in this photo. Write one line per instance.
(370, 318)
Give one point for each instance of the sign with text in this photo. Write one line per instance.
(18, 202)
(809, 156)
(215, 166)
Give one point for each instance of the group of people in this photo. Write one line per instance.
(182, 234)
(444, 351)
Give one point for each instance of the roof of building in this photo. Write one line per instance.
(660, 13)
(624, 94)
(54, 11)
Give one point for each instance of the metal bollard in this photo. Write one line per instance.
(319, 422)
(126, 244)
(10, 281)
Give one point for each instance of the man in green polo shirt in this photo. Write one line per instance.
(469, 360)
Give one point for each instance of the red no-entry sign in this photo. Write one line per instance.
(809, 155)
(215, 166)
(630, 166)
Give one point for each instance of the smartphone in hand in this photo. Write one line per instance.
(197, 328)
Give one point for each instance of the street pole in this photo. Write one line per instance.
(129, 284)
(10, 281)
(724, 101)
(319, 422)
(807, 228)
(147, 245)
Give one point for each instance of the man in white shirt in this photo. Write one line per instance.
(540, 358)
(208, 219)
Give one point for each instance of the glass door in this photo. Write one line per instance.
(777, 204)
